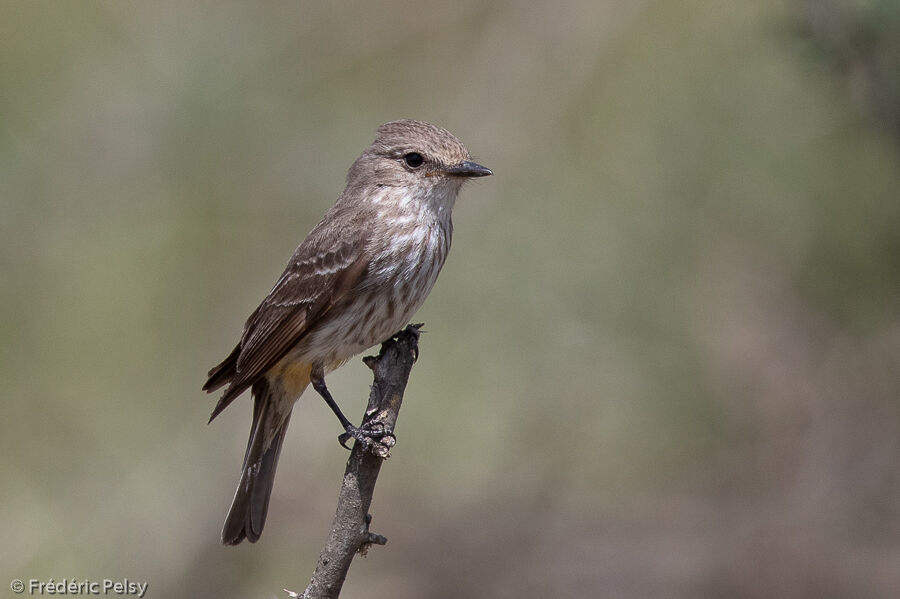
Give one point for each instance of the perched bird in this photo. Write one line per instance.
(356, 279)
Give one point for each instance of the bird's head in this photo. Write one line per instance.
(420, 157)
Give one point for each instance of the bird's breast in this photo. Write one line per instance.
(402, 271)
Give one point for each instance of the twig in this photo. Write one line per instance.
(350, 530)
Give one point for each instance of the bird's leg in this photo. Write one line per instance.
(361, 434)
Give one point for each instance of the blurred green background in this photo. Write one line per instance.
(663, 359)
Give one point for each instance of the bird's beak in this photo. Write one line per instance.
(467, 168)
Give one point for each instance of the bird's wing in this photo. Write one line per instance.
(326, 267)
(314, 282)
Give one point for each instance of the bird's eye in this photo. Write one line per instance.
(413, 160)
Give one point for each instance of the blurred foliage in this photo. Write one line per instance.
(861, 38)
(662, 360)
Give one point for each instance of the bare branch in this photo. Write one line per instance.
(350, 530)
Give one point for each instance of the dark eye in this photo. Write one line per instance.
(413, 160)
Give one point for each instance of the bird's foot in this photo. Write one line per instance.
(374, 436)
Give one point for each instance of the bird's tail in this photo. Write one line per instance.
(251, 500)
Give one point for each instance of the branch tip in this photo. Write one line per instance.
(350, 529)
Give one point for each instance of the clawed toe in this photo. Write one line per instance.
(367, 435)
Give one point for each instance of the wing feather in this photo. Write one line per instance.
(324, 270)
(296, 303)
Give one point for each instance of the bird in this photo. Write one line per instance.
(355, 280)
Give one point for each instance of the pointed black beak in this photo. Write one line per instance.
(467, 168)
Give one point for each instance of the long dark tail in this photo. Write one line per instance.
(251, 500)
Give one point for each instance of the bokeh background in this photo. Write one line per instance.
(663, 359)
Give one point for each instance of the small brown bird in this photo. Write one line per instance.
(356, 279)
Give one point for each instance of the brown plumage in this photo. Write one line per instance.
(355, 280)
